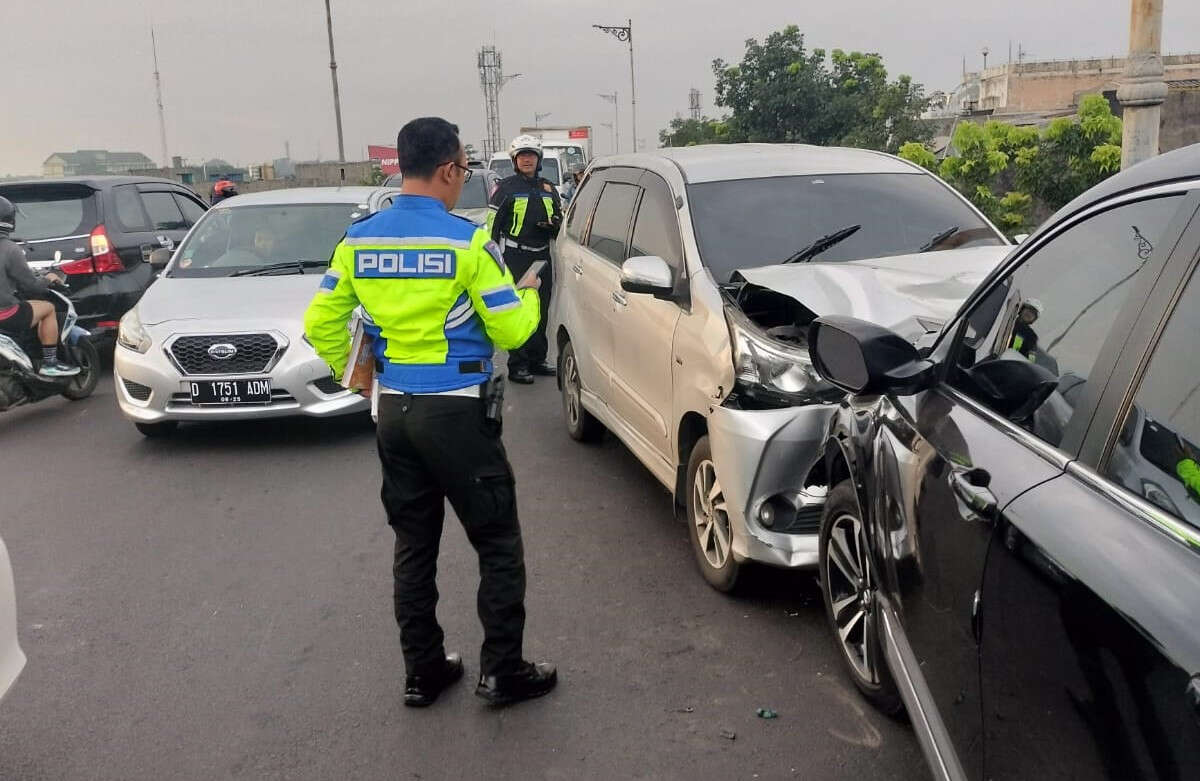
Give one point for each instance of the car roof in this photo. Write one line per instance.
(95, 182)
(722, 162)
(296, 195)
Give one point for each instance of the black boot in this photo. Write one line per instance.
(422, 689)
(543, 369)
(529, 681)
(521, 376)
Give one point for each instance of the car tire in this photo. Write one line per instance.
(582, 426)
(847, 581)
(87, 357)
(157, 430)
(708, 521)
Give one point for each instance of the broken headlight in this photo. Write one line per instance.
(771, 371)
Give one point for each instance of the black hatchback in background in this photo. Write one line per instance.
(1010, 548)
(99, 232)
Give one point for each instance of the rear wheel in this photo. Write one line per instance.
(581, 424)
(850, 593)
(85, 355)
(708, 521)
(157, 430)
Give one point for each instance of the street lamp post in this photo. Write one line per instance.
(626, 34)
(611, 97)
(1142, 90)
(537, 118)
(612, 138)
(337, 102)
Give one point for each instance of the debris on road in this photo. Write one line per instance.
(686, 709)
(767, 713)
(728, 734)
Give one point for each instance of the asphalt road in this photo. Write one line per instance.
(218, 605)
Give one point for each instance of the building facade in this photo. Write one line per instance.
(94, 162)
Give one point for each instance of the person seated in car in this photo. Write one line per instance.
(265, 243)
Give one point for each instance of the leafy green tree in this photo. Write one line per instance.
(375, 178)
(783, 92)
(689, 132)
(1073, 154)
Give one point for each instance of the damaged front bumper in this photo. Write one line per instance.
(763, 459)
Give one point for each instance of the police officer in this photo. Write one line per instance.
(440, 296)
(523, 216)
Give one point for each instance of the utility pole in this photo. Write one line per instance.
(537, 118)
(626, 34)
(1142, 89)
(611, 97)
(694, 103)
(337, 101)
(162, 120)
(492, 80)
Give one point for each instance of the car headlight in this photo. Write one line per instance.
(772, 371)
(131, 334)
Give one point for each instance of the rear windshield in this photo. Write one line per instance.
(242, 238)
(502, 166)
(52, 211)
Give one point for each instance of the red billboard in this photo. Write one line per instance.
(579, 132)
(386, 155)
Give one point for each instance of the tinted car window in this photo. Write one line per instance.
(610, 226)
(502, 166)
(52, 211)
(1056, 311)
(582, 203)
(656, 231)
(1157, 455)
(164, 212)
(129, 208)
(745, 223)
(192, 211)
(550, 171)
(234, 239)
(474, 193)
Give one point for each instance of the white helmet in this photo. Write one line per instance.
(1035, 305)
(525, 144)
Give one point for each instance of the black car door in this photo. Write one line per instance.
(1091, 643)
(953, 460)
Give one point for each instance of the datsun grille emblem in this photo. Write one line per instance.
(222, 352)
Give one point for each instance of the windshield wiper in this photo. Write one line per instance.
(938, 238)
(823, 243)
(287, 265)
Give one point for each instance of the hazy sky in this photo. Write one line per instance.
(241, 77)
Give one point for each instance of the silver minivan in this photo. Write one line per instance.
(684, 283)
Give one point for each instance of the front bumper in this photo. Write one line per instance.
(763, 457)
(151, 389)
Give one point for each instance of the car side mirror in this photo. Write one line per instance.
(865, 358)
(647, 274)
(1012, 385)
(159, 258)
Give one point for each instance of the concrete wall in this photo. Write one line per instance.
(1045, 86)
(1180, 120)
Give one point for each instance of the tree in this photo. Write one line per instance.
(1038, 172)
(782, 92)
(375, 178)
(689, 132)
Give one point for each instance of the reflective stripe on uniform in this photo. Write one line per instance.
(519, 207)
(389, 242)
(498, 299)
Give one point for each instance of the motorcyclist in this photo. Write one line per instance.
(20, 310)
(523, 216)
(223, 189)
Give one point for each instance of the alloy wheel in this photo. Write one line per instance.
(710, 516)
(851, 595)
(571, 390)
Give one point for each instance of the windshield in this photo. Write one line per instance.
(474, 193)
(242, 238)
(572, 156)
(502, 166)
(52, 212)
(745, 223)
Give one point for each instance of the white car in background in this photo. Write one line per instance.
(12, 659)
(220, 335)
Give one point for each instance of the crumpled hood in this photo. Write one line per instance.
(911, 294)
(279, 297)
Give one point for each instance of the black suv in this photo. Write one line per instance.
(1010, 549)
(99, 231)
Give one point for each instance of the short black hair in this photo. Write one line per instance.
(424, 144)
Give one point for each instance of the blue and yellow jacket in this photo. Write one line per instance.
(437, 289)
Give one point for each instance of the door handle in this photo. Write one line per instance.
(971, 487)
(619, 298)
(577, 268)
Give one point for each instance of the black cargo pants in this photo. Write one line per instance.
(534, 351)
(434, 448)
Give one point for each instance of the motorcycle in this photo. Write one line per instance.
(20, 359)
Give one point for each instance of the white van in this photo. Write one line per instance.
(553, 169)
